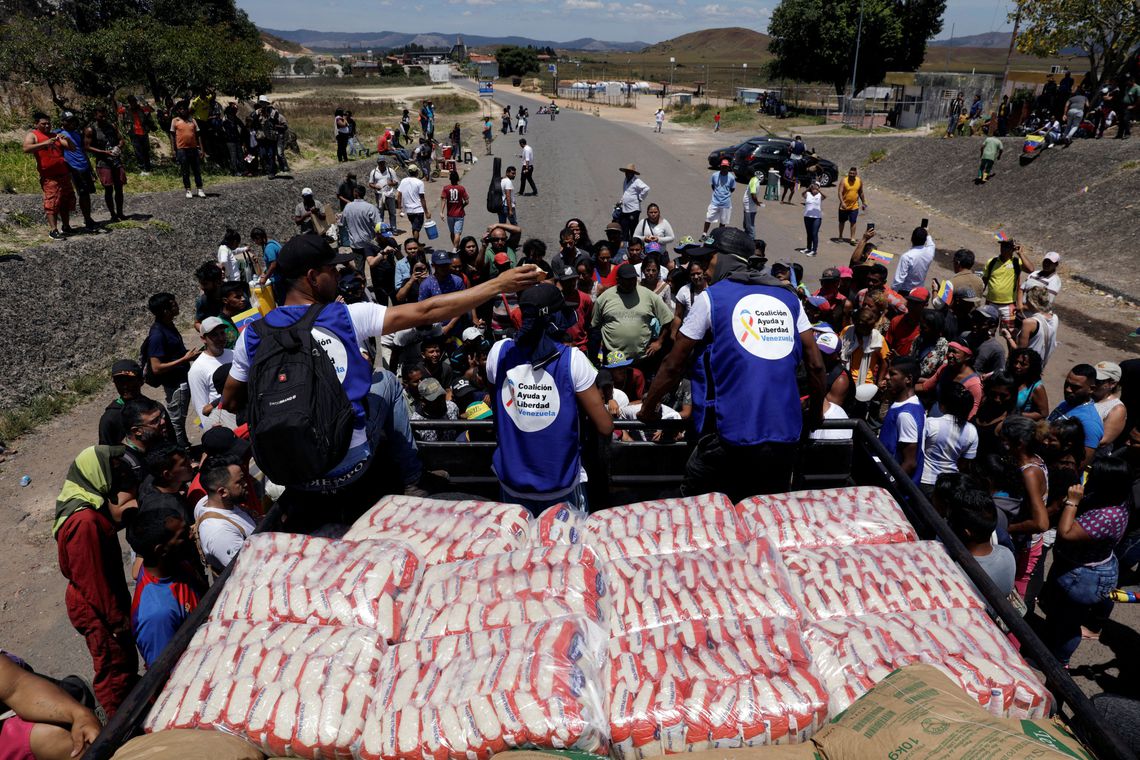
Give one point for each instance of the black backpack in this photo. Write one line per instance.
(300, 418)
(495, 190)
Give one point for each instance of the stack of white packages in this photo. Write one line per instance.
(524, 586)
(477, 694)
(663, 526)
(839, 581)
(834, 517)
(853, 654)
(745, 580)
(287, 578)
(445, 531)
(290, 689)
(714, 684)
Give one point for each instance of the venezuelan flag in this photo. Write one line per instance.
(881, 257)
(245, 317)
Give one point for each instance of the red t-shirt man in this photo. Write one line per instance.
(455, 199)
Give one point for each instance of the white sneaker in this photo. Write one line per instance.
(201, 193)
(189, 194)
(144, 174)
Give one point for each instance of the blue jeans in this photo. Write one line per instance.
(505, 218)
(811, 224)
(1072, 594)
(750, 224)
(576, 499)
(388, 423)
(267, 152)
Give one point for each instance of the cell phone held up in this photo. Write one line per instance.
(925, 223)
(870, 226)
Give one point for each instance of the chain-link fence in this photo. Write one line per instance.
(597, 97)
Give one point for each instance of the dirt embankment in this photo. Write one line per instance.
(1083, 201)
(75, 306)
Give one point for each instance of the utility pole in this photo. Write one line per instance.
(855, 63)
(1012, 43)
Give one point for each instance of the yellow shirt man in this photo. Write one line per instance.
(850, 200)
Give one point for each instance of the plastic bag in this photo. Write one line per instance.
(525, 686)
(853, 654)
(714, 684)
(524, 586)
(741, 581)
(841, 581)
(445, 531)
(663, 526)
(834, 517)
(287, 578)
(291, 689)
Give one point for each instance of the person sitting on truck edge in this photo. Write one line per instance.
(221, 523)
(46, 722)
(167, 589)
(750, 334)
(539, 386)
(307, 267)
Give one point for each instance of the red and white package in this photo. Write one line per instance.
(288, 578)
(842, 581)
(664, 526)
(853, 654)
(743, 581)
(533, 686)
(524, 586)
(445, 531)
(290, 689)
(832, 517)
(717, 684)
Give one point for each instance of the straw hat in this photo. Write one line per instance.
(630, 168)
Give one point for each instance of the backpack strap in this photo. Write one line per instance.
(302, 325)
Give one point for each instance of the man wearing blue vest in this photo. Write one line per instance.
(539, 387)
(306, 268)
(749, 335)
(904, 422)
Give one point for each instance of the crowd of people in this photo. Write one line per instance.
(547, 339)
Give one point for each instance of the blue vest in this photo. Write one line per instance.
(889, 433)
(536, 423)
(338, 341)
(748, 365)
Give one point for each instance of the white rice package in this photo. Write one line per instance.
(855, 653)
(290, 689)
(445, 531)
(831, 517)
(288, 578)
(841, 581)
(708, 685)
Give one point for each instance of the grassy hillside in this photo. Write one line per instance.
(731, 44)
(282, 45)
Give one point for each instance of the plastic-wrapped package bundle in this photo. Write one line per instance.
(841, 581)
(832, 517)
(714, 684)
(853, 654)
(663, 526)
(743, 581)
(290, 689)
(445, 531)
(287, 578)
(534, 685)
(524, 586)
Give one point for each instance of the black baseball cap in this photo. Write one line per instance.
(304, 252)
(734, 242)
(540, 300)
(221, 442)
(566, 273)
(126, 367)
(627, 272)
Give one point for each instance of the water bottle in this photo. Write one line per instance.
(25, 481)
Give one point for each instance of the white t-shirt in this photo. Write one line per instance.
(382, 178)
(832, 412)
(698, 321)
(220, 539)
(663, 231)
(944, 443)
(228, 260)
(813, 203)
(1044, 338)
(908, 423)
(528, 156)
(367, 322)
(411, 190)
(1052, 282)
(659, 116)
(508, 189)
(201, 379)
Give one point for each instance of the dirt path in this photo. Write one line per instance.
(577, 160)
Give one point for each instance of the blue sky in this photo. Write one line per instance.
(650, 21)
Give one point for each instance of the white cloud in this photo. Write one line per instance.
(583, 5)
(717, 10)
(466, 13)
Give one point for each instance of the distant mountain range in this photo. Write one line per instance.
(987, 40)
(338, 41)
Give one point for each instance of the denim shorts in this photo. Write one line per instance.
(455, 225)
(1088, 585)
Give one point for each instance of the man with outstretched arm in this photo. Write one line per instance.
(749, 334)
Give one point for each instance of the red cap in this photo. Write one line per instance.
(725, 162)
(502, 258)
(919, 294)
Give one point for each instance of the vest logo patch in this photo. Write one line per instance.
(764, 326)
(530, 398)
